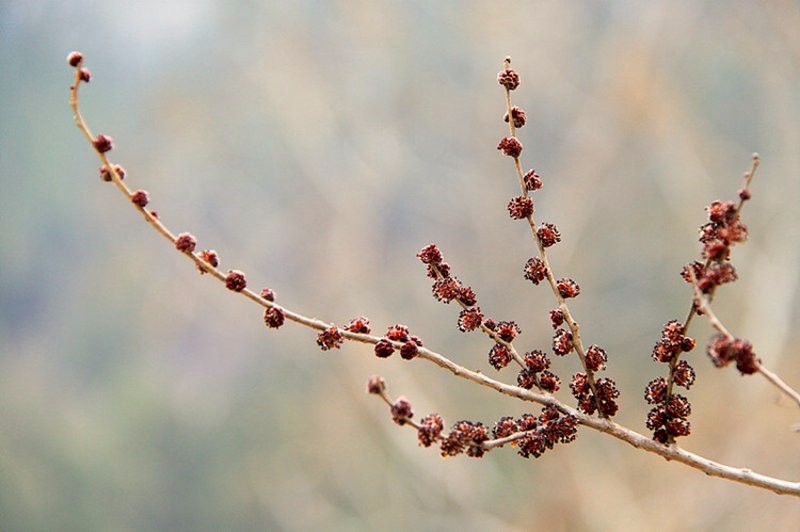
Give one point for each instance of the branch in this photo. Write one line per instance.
(703, 306)
(236, 282)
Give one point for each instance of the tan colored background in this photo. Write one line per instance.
(317, 146)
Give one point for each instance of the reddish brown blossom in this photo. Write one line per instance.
(430, 254)
(359, 324)
(274, 317)
(398, 333)
(103, 143)
(140, 198)
(185, 243)
(211, 257)
(508, 330)
(535, 270)
(556, 318)
(235, 280)
(568, 288)
(510, 146)
(268, 294)
(532, 180)
(330, 338)
(508, 78)
(467, 296)
(430, 428)
(520, 118)
(446, 290)
(384, 348)
(401, 411)
(74, 59)
(470, 319)
(562, 342)
(656, 391)
(520, 207)
(683, 375)
(505, 426)
(548, 234)
(408, 350)
(596, 358)
(376, 385)
(499, 356)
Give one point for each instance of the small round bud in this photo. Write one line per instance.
(235, 280)
(85, 75)
(185, 243)
(409, 350)
(268, 294)
(74, 59)
(384, 348)
(359, 325)
(376, 385)
(401, 411)
(106, 175)
(330, 338)
(510, 146)
(508, 78)
(274, 317)
(103, 143)
(548, 234)
(532, 180)
(210, 256)
(568, 288)
(140, 198)
(520, 207)
(520, 118)
(430, 254)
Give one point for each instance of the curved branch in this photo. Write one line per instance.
(672, 452)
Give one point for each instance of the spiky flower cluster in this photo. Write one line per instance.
(723, 230)
(395, 334)
(722, 350)
(541, 433)
(668, 417)
(535, 373)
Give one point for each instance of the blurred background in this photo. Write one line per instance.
(317, 146)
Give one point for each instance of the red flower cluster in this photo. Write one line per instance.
(467, 437)
(532, 181)
(330, 338)
(359, 325)
(544, 431)
(536, 373)
(668, 419)
(548, 234)
(607, 393)
(520, 207)
(535, 270)
(520, 118)
(510, 146)
(723, 350)
(430, 428)
(672, 342)
(508, 78)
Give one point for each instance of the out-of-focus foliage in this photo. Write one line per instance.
(317, 146)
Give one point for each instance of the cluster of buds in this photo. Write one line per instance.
(532, 435)
(541, 433)
(409, 344)
(722, 350)
(723, 230)
(668, 417)
(592, 396)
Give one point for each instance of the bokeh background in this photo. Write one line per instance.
(317, 146)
